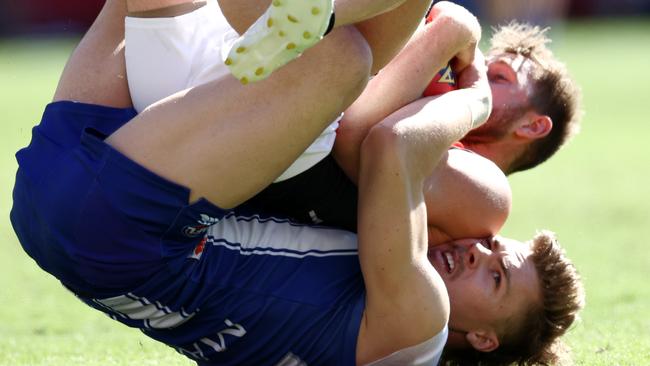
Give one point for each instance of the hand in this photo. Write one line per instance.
(464, 58)
(466, 28)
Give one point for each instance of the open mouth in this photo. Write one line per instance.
(448, 260)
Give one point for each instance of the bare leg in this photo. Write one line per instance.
(226, 141)
(99, 58)
(355, 11)
(386, 33)
(272, 41)
(96, 72)
(222, 140)
(389, 32)
(347, 11)
(136, 6)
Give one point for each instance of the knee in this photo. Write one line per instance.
(351, 58)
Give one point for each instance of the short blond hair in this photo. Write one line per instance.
(555, 93)
(563, 296)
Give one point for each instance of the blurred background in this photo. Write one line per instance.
(595, 193)
(19, 17)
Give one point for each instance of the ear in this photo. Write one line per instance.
(482, 340)
(536, 127)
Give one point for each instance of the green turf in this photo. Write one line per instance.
(40, 322)
(595, 194)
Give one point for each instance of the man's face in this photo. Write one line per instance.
(511, 85)
(488, 280)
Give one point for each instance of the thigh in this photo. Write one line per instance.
(226, 141)
(90, 216)
(389, 32)
(95, 72)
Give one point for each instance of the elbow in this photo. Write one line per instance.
(398, 149)
(385, 149)
(381, 142)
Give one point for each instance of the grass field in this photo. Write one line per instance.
(595, 194)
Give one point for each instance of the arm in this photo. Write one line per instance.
(474, 96)
(452, 32)
(406, 299)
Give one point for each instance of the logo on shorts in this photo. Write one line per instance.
(203, 224)
(198, 250)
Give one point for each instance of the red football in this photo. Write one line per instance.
(443, 81)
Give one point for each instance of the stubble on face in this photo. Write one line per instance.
(510, 84)
(497, 127)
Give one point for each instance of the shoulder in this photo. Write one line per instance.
(480, 178)
(467, 195)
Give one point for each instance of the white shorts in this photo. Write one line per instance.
(167, 55)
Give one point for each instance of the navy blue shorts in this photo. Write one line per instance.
(93, 218)
(219, 287)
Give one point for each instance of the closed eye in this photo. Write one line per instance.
(500, 72)
(499, 78)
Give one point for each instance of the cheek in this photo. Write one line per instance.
(467, 304)
(500, 96)
(498, 102)
(507, 97)
(468, 293)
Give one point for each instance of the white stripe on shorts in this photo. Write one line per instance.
(252, 235)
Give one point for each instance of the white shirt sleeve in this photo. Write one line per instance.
(426, 353)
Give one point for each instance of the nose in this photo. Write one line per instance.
(475, 255)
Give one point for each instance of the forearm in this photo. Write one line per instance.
(406, 301)
(391, 216)
(441, 120)
(403, 80)
(390, 197)
(396, 157)
(452, 31)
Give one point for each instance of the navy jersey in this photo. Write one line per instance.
(219, 286)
